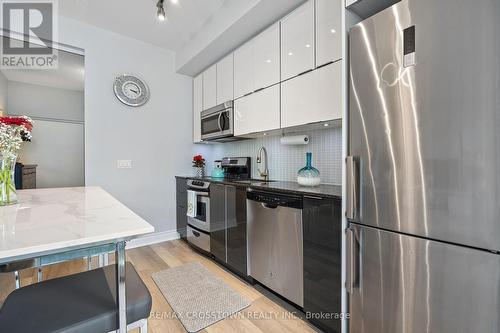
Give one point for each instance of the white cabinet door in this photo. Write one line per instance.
(210, 88)
(258, 112)
(297, 41)
(243, 70)
(197, 107)
(312, 97)
(328, 31)
(225, 79)
(267, 57)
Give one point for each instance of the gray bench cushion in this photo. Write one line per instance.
(79, 303)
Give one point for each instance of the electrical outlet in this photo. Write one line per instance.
(124, 164)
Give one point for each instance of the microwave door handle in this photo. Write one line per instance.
(218, 121)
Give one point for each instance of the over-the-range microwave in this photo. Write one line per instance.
(217, 123)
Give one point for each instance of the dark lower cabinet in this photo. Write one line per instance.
(228, 226)
(181, 199)
(322, 228)
(236, 208)
(218, 221)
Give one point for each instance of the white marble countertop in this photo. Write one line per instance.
(55, 219)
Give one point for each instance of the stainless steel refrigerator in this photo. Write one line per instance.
(423, 171)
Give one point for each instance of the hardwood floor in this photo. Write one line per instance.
(264, 315)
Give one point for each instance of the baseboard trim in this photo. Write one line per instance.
(154, 238)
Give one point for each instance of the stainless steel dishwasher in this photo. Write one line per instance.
(275, 253)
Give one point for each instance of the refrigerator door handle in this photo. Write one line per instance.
(350, 260)
(352, 186)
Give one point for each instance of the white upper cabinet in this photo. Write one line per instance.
(257, 63)
(210, 87)
(197, 107)
(243, 70)
(266, 57)
(258, 112)
(328, 31)
(312, 97)
(297, 41)
(225, 79)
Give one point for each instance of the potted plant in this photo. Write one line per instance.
(199, 165)
(13, 131)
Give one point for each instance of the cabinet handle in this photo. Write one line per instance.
(328, 63)
(305, 72)
(196, 233)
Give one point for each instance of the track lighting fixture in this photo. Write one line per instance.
(160, 12)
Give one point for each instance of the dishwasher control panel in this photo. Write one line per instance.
(275, 199)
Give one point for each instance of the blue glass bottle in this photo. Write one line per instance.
(308, 175)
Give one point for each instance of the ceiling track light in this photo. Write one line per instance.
(160, 12)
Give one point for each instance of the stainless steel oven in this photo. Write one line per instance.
(217, 122)
(198, 229)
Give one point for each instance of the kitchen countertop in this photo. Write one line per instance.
(50, 219)
(323, 190)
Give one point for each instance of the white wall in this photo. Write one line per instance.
(156, 137)
(3, 93)
(58, 150)
(40, 101)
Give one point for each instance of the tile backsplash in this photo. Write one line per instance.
(284, 161)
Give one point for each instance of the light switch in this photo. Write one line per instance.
(124, 164)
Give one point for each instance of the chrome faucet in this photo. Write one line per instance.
(264, 173)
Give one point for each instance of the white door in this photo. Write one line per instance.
(267, 57)
(210, 87)
(243, 70)
(197, 107)
(297, 41)
(328, 31)
(225, 79)
(258, 112)
(312, 97)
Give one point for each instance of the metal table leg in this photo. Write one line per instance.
(120, 287)
(18, 281)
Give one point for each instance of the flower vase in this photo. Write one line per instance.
(8, 195)
(200, 172)
(308, 175)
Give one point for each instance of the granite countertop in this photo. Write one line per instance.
(323, 190)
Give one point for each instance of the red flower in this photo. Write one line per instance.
(17, 121)
(198, 161)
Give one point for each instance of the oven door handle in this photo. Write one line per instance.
(201, 194)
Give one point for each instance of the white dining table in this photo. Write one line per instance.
(59, 224)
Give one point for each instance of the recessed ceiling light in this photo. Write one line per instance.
(290, 53)
(175, 1)
(308, 45)
(333, 31)
(268, 61)
(160, 10)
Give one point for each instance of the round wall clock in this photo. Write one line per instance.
(130, 90)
